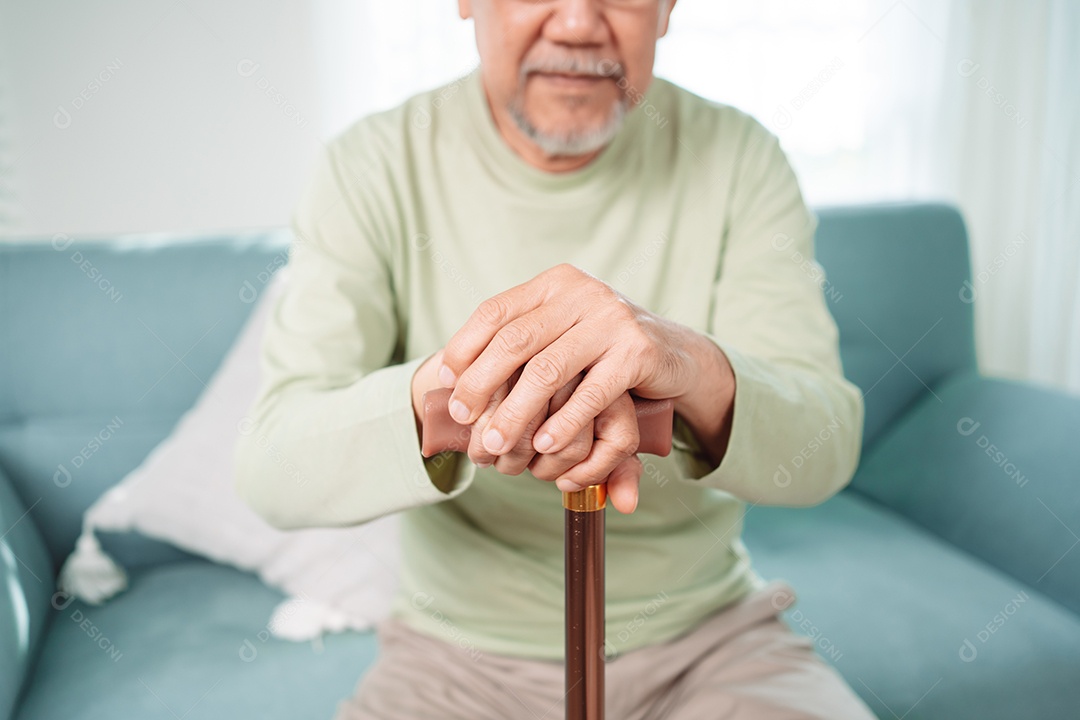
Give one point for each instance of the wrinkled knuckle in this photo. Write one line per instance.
(524, 446)
(521, 456)
(493, 311)
(584, 438)
(641, 337)
(468, 389)
(480, 457)
(566, 269)
(508, 465)
(577, 451)
(593, 398)
(515, 339)
(535, 423)
(626, 443)
(663, 361)
(476, 451)
(563, 393)
(511, 413)
(635, 338)
(546, 373)
(540, 473)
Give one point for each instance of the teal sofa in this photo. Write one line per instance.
(944, 582)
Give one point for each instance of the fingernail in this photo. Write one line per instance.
(493, 441)
(544, 442)
(483, 465)
(458, 411)
(446, 376)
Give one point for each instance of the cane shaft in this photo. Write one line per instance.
(584, 567)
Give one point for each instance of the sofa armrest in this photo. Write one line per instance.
(993, 467)
(27, 586)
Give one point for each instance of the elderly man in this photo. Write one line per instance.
(546, 234)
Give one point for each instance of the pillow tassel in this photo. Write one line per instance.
(89, 574)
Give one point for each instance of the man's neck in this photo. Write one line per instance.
(529, 151)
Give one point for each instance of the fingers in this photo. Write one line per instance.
(616, 439)
(550, 466)
(508, 329)
(523, 455)
(543, 374)
(489, 317)
(624, 483)
(476, 451)
(602, 386)
(518, 458)
(604, 452)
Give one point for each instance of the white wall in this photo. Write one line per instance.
(130, 116)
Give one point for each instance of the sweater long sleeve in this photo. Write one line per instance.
(334, 440)
(797, 423)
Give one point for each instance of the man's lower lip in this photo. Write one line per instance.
(572, 80)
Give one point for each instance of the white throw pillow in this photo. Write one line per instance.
(183, 493)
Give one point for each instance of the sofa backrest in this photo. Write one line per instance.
(107, 342)
(104, 344)
(897, 277)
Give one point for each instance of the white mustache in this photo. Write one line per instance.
(603, 67)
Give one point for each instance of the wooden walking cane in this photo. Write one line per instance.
(583, 543)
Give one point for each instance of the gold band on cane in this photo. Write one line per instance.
(587, 499)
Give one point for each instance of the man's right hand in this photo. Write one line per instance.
(548, 466)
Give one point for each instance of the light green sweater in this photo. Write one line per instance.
(411, 218)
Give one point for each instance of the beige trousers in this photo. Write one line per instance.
(741, 663)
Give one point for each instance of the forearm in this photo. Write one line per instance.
(790, 434)
(708, 408)
(329, 458)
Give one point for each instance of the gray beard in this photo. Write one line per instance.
(570, 143)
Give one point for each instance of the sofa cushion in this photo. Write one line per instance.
(68, 461)
(991, 466)
(918, 628)
(189, 639)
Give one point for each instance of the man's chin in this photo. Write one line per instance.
(569, 129)
(572, 141)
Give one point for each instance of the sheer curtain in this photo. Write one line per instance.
(1012, 109)
(968, 101)
(7, 162)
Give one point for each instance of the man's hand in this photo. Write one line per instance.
(560, 323)
(521, 455)
(515, 460)
(570, 467)
(621, 416)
